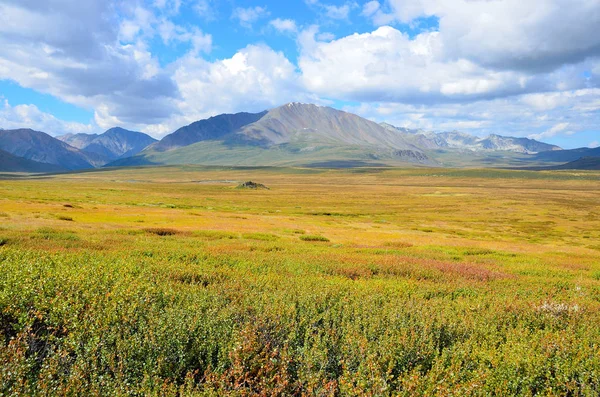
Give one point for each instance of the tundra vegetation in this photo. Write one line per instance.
(375, 282)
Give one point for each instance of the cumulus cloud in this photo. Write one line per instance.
(83, 62)
(387, 65)
(256, 78)
(20, 116)
(528, 35)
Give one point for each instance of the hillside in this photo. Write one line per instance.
(11, 163)
(78, 141)
(210, 129)
(296, 122)
(584, 163)
(42, 148)
(565, 156)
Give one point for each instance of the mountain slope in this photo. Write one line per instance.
(463, 141)
(41, 147)
(209, 129)
(113, 144)
(565, 156)
(11, 163)
(585, 163)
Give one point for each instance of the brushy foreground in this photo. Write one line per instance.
(172, 282)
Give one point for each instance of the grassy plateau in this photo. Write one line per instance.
(171, 281)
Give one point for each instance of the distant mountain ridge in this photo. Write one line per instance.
(461, 140)
(113, 144)
(294, 134)
(42, 148)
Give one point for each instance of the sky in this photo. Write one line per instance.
(510, 67)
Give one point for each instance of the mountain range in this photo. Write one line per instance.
(113, 144)
(295, 134)
(460, 140)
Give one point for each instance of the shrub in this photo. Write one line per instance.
(161, 231)
(46, 233)
(260, 236)
(215, 235)
(314, 238)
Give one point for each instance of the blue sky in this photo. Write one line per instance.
(508, 67)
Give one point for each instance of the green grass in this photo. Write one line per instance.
(226, 292)
(314, 238)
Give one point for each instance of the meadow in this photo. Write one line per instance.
(170, 281)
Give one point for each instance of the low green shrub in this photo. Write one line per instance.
(311, 237)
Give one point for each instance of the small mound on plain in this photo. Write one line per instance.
(252, 185)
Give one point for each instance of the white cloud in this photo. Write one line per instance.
(513, 116)
(325, 36)
(509, 34)
(594, 144)
(388, 65)
(254, 79)
(284, 25)
(332, 11)
(555, 130)
(205, 9)
(27, 116)
(339, 12)
(370, 8)
(170, 6)
(247, 16)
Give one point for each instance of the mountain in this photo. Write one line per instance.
(78, 141)
(293, 134)
(113, 144)
(11, 163)
(519, 145)
(297, 122)
(41, 147)
(203, 130)
(463, 141)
